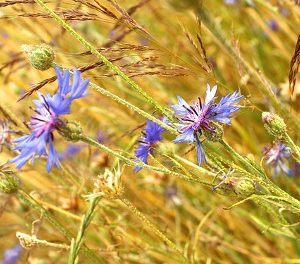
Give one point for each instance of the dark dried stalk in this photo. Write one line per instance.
(294, 66)
(13, 2)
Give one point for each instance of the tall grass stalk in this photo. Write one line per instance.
(101, 57)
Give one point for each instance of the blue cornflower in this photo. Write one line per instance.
(273, 24)
(71, 150)
(12, 255)
(277, 156)
(46, 119)
(195, 119)
(151, 135)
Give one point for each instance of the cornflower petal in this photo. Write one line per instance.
(152, 134)
(180, 108)
(200, 152)
(187, 136)
(210, 94)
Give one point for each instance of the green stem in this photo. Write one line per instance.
(101, 57)
(133, 107)
(290, 143)
(214, 28)
(31, 202)
(262, 179)
(135, 163)
(86, 220)
(151, 226)
(244, 161)
(116, 98)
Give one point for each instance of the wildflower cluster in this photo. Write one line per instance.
(193, 121)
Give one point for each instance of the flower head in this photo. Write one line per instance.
(199, 118)
(277, 157)
(46, 120)
(108, 184)
(12, 255)
(151, 135)
(273, 24)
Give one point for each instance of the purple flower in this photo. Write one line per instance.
(198, 117)
(46, 119)
(101, 136)
(229, 2)
(71, 150)
(12, 255)
(273, 24)
(151, 134)
(277, 157)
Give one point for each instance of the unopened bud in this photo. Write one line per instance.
(274, 124)
(40, 56)
(244, 187)
(71, 131)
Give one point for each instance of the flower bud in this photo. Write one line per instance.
(274, 124)
(40, 56)
(9, 183)
(244, 187)
(71, 131)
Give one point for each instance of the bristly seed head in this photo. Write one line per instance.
(274, 124)
(40, 56)
(108, 185)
